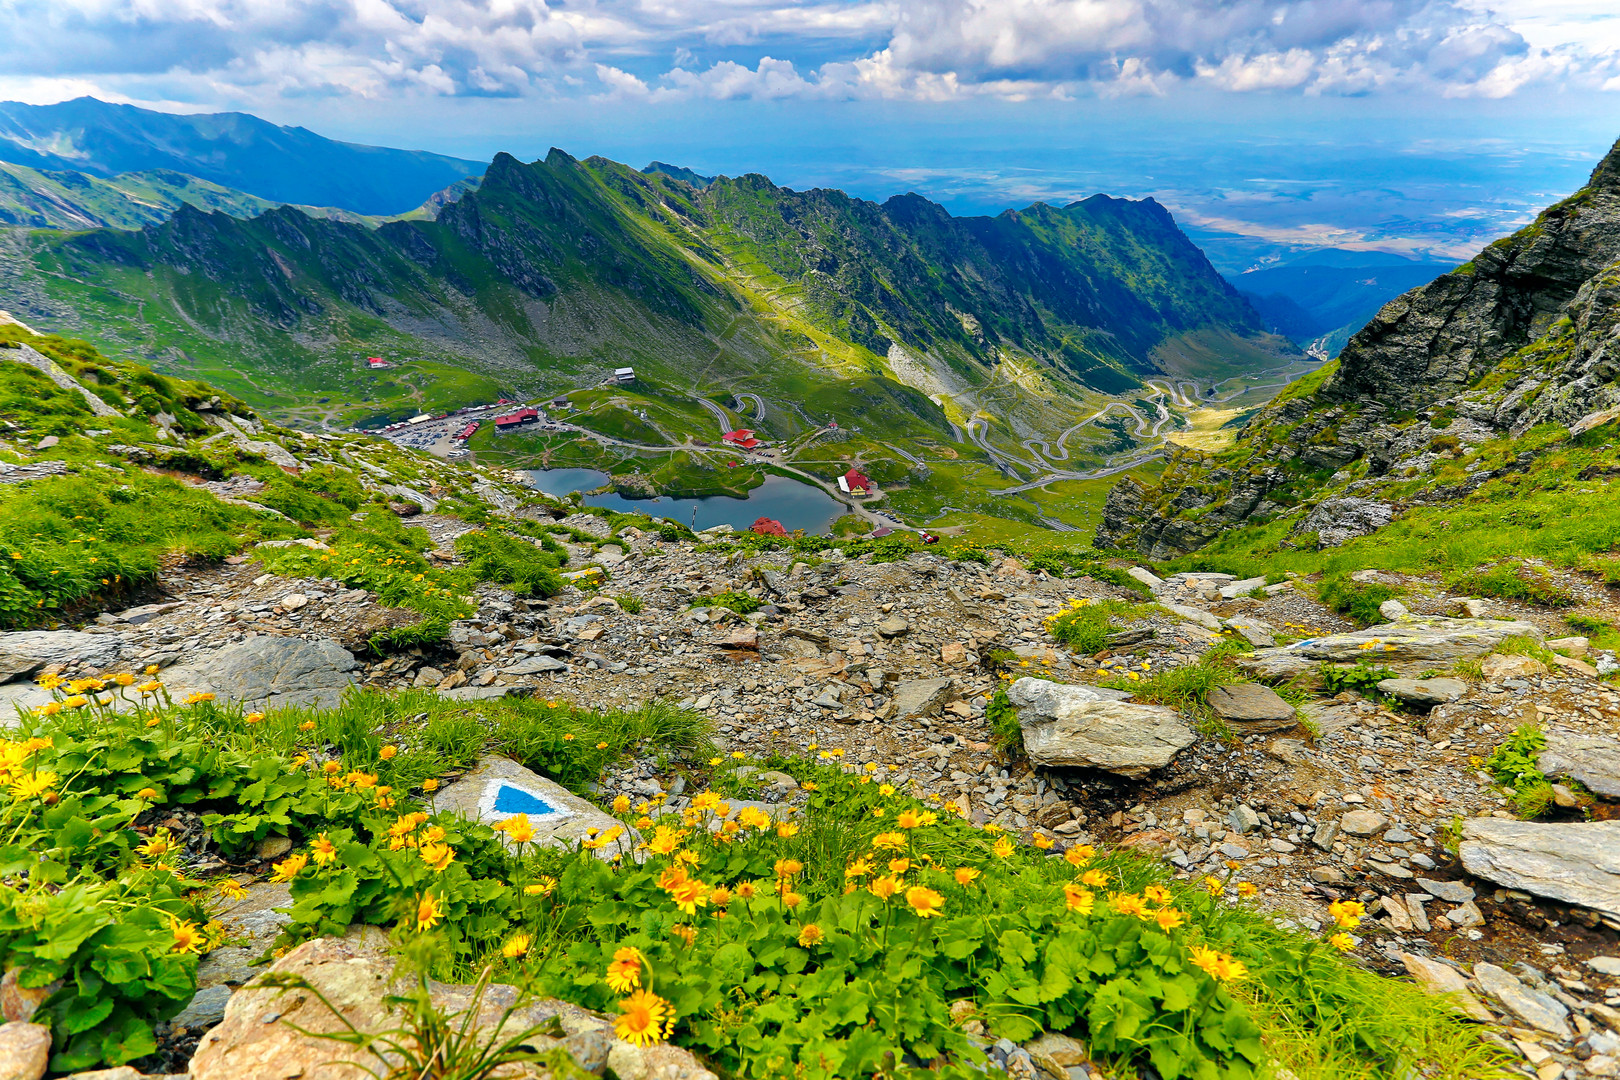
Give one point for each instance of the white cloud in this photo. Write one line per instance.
(914, 49)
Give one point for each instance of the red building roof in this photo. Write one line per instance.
(522, 416)
(743, 437)
(857, 481)
(467, 432)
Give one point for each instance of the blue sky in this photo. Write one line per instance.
(1418, 126)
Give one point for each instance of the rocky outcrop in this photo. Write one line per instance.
(269, 672)
(1539, 312)
(1409, 640)
(1578, 863)
(1088, 727)
(1592, 760)
(259, 1038)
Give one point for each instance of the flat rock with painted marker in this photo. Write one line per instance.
(498, 788)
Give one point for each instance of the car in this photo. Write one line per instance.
(928, 538)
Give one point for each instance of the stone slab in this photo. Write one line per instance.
(1252, 707)
(1427, 639)
(1424, 693)
(269, 672)
(498, 788)
(1576, 862)
(1593, 761)
(1073, 726)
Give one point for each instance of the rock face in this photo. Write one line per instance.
(257, 1041)
(24, 652)
(1429, 639)
(270, 672)
(1577, 863)
(498, 787)
(1251, 708)
(1593, 761)
(1553, 286)
(1075, 726)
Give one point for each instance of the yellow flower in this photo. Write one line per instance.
(738, 755)
(1347, 913)
(624, 972)
(787, 830)
(720, 896)
(665, 840)
(1077, 899)
(1157, 894)
(307, 725)
(746, 890)
(149, 794)
(437, 856)
(925, 902)
(161, 843)
(387, 753)
(517, 945)
(1042, 841)
(644, 1019)
(430, 785)
(289, 868)
(786, 868)
(518, 828)
(197, 698)
(77, 701)
(885, 789)
(1214, 886)
(188, 936)
(428, 912)
(810, 934)
(124, 679)
(1168, 918)
(1342, 941)
(686, 933)
(151, 687)
(1004, 848)
(621, 805)
(1247, 888)
(689, 895)
(323, 850)
(883, 887)
(858, 868)
(230, 888)
(965, 875)
(1218, 965)
(1094, 879)
(542, 887)
(1129, 904)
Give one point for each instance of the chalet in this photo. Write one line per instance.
(376, 362)
(624, 375)
(742, 438)
(513, 421)
(855, 483)
(561, 403)
(467, 432)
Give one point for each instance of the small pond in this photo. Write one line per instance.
(796, 505)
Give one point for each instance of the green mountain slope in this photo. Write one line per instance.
(1471, 420)
(232, 150)
(552, 273)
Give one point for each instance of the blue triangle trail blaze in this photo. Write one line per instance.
(515, 800)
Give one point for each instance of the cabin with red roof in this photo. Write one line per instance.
(517, 419)
(855, 483)
(743, 438)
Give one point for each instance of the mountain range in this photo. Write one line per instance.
(556, 271)
(92, 138)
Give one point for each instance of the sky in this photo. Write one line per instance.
(1269, 127)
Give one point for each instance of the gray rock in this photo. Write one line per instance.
(1071, 726)
(536, 665)
(259, 915)
(135, 616)
(1392, 610)
(482, 693)
(893, 626)
(1593, 761)
(1466, 915)
(1438, 978)
(1241, 588)
(1336, 521)
(921, 697)
(1146, 577)
(1256, 632)
(270, 672)
(498, 788)
(1536, 1009)
(1325, 834)
(206, 1009)
(1195, 615)
(1250, 707)
(1578, 862)
(1424, 693)
(1362, 822)
(1605, 965)
(1454, 891)
(1243, 819)
(24, 652)
(1429, 639)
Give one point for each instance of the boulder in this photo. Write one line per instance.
(259, 1039)
(1242, 588)
(921, 697)
(1424, 639)
(1532, 1007)
(893, 626)
(1251, 708)
(1438, 978)
(24, 652)
(1577, 647)
(536, 665)
(1256, 632)
(1362, 822)
(1074, 726)
(1424, 693)
(1576, 862)
(1195, 615)
(1496, 668)
(269, 672)
(1335, 521)
(1593, 761)
(498, 787)
(1146, 577)
(24, 1050)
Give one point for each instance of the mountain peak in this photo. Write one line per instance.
(1606, 177)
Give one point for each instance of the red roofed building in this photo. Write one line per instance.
(767, 527)
(376, 362)
(467, 432)
(855, 483)
(517, 419)
(742, 437)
